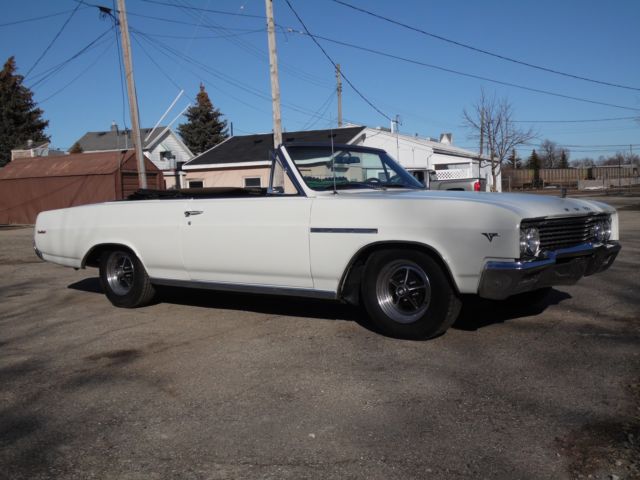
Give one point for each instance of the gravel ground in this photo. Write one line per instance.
(206, 385)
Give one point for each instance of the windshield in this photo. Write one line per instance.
(323, 168)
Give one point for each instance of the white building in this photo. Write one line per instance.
(243, 161)
(419, 153)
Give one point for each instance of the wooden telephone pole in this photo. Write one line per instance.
(339, 91)
(131, 90)
(273, 69)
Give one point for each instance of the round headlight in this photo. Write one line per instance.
(529, 241)
(602, 231)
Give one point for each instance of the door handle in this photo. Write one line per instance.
(190, 213)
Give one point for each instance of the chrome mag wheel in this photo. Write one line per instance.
(403, 291)
(120, 271)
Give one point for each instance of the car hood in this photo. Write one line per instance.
(525, 205)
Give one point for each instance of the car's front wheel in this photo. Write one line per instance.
(124, 279)
(407, 294)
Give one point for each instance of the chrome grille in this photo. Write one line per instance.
(564, 232)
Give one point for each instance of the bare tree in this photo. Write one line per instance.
(491, 121)
(549, 154)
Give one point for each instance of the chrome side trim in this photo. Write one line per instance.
(344, 230)
(248, 288)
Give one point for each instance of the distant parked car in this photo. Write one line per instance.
(429, 178)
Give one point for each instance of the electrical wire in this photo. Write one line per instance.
(152, 60)
(457, 72)
(57, 35)
(68, 84)
(254, 51)
(33, 19)
(319, 114)
(346, 79)
(486, 52)
(173, 54)
(47, 74)
(578, 121)
(219, 12)
(202, 37)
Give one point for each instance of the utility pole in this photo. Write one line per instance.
(394, 127)
(339, 90)
(131, 90)
(481, 142)
(273, 69)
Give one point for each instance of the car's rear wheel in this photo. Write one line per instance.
(407, 294)
(124, 279)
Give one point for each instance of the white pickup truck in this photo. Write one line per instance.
(429, 178)
(337, 222)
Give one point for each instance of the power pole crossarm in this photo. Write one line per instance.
(131, 90)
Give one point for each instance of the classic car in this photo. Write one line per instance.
(337, 222)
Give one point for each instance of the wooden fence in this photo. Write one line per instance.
(523, 178)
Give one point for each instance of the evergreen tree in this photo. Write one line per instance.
(205, 127)
(76, 148)
(20, 118)
(534, 164)
(564, 159)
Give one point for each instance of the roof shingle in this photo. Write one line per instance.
(254, 148)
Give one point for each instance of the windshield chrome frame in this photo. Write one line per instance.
(295, 172)
(286, 167)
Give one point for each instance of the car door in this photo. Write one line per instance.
(256, 240)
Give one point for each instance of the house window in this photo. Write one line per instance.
(196, 183)
(252, 182)
(167, 155)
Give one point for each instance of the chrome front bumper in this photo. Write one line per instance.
(562, 267)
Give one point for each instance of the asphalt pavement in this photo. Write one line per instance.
(207, 385)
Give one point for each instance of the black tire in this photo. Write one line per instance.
(407, 294)
(124, 280)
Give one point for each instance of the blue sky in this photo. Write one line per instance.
(228, 53)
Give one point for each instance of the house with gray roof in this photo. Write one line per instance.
(244, 161)
(161, 145)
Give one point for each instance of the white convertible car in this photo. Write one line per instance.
(337, 222)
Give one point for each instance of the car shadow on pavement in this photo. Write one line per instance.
(478, 312)
(267, 304)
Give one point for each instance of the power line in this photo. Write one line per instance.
(53, 40)
(68, 84)
(256, 52)
(144, 50)
(219, 12)
(320, 113)
(33, 19)
(182, 37)
(171, 53)
(601, 146)
(50, 72)
(457, 72)
(486, 52)
(335, 65)
(578, 121)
